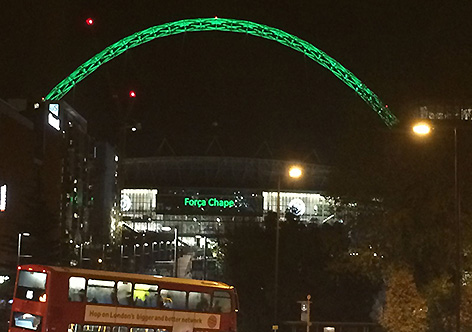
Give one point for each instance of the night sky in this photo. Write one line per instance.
(235, 90)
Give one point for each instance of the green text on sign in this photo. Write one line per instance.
(212, 202)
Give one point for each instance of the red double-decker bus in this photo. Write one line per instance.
(59, 299)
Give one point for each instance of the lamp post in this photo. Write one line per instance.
(424, 128)
(293, 172)
(20, 235)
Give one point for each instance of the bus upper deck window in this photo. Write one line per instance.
(221, 302)
(146, 295)
(173, 299)
(199, 301)
(123, 293)
(76, 289)
(100, 291)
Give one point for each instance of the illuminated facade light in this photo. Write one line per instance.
(3, 198)
(4, 279)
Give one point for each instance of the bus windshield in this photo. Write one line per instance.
(31, 285)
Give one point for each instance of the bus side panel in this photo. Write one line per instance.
(62, 312)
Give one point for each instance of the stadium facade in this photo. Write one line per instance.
(202, 198)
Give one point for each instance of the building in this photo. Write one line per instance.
(18, 179)
(57, 184)
(202, 198)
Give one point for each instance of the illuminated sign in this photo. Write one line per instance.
(208, 202)
(53, 116)
(297, 207)
(213, 202)
(3, 198)
(125, 203)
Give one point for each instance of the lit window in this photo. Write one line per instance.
(3, 198)
(100, 291)
(53, 116)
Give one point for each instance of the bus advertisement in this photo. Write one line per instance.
(60, 299)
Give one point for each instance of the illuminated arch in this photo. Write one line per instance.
(228, 25)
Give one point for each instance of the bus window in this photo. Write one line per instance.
(173, 299)
(145, 295)
(100, 291)
(74, 328)
(76, 289)
(96, 328)
(221, 302)
(27, 321)
(31, 285)
(123, 293)
(142, 329)
(119, 329)
(199, 301)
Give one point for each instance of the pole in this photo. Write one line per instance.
(277, 239)
(308, 323)
(204, 257)
(19, 250)
(81, 254)
(458, 279)
(20, 237)
(121, 257)
(176, 237)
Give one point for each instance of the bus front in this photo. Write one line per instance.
(29, 305)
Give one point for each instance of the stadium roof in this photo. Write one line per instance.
(220, 172)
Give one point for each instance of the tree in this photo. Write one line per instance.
(405, 309)
(306, 255)
(398, 204)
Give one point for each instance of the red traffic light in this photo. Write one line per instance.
(89, 21)
(132, 94)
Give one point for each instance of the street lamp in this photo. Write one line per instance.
(20, 235)
(424, 128)
(293, 172)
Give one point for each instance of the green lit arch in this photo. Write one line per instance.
(227, 25)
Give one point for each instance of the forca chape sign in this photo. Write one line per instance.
(211, 202)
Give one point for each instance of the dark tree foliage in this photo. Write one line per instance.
(306, 256)
(396, 197)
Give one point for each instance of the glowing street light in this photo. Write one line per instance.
(295, 172)
(422, 128)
